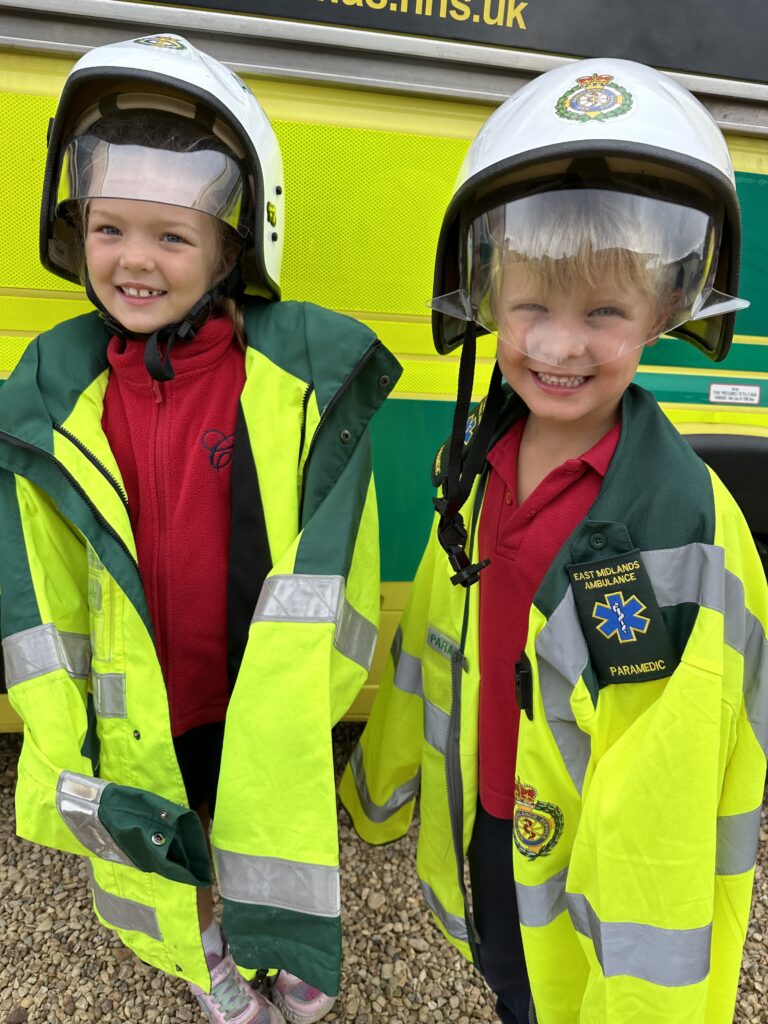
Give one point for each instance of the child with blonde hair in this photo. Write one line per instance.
(579, 701)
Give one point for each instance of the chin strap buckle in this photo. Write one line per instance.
(452, 534)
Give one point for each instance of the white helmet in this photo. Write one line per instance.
(237, 177)
(638, 149)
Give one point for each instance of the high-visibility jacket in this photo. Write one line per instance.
(642, 743)
(98, 775)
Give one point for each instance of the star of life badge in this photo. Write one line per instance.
(537, 824)
(594, 98)
(621, 617)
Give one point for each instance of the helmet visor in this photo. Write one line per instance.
(203, 179)
(578, 277)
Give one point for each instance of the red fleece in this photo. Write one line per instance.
(173, 443)
(521, 542)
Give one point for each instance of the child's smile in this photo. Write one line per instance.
(555, 383)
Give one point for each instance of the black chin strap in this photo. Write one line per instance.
(465, 461)
(159, 344)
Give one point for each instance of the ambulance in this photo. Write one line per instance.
(375, 103)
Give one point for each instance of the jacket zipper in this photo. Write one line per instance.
(14, 442)
(159, 574)
(357, 369)
(304, 407)
(96, 462)
(452, 764)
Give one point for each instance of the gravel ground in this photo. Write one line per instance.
(58, 966)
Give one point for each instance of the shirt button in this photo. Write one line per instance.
(508, 497)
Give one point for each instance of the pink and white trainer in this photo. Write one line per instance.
(232, 1000)
(299, 1002)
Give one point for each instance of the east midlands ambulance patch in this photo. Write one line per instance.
(537, 825)
(626, 636)
(594, 98)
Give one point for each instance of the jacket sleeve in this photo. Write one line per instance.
(662, 868)
(46, 655)
(60, 801)
(381, 781)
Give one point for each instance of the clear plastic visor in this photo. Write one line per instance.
(579, 277)
(205, 179)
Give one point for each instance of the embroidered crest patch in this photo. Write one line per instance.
(622, 623)
(165, 42)
(594, 98)
(537, 825)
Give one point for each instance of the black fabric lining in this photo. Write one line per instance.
(249, 556)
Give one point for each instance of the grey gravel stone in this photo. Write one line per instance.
(59, 966)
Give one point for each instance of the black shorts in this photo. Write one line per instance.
(199, 755)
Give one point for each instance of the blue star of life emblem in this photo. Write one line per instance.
(621, 618)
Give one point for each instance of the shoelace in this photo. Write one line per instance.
(230, 997)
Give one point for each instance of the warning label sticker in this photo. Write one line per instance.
(735, 394)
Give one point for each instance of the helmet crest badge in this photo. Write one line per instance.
(594, 98)
(165, 42)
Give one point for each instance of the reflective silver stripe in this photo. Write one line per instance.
(408, 677)
(436, 725)
(302, 598)
(455, 926)
(123, 913)
(400, 796)
(42, 649)
(750, 641)
(538, 905)
(109, 695)
(355, 635)
(296, 598)
(442, 643)
(561, 654)
(77, 649)
(691, 574)
(663, 956)
(756, 680)
(737, 839)
(273, 882)
(77, 800)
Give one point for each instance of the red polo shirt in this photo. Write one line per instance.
(521, 542)
(173, 442)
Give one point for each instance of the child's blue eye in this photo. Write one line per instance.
(108, 229)
(175, 239)
(608, 311)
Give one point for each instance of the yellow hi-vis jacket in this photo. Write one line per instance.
(98, 775)
(642, 744)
